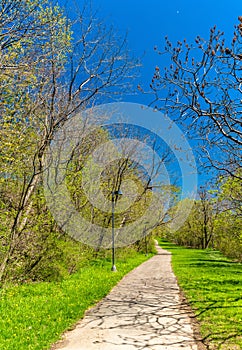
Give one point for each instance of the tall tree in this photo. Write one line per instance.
(201, 89)
(198, 229)
(48, 73)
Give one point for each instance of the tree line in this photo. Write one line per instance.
(201, 90)
(52, 67)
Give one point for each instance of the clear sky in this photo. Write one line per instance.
(149, 21)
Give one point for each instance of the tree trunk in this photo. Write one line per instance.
(19, 224)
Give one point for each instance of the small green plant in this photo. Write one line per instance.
(34, 315)
(212, 285)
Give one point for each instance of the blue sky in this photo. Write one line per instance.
(149, 21)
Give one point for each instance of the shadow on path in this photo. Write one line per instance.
(144, 311)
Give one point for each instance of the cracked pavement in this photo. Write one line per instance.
(144, 311)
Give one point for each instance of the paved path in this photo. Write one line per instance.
(143, 312)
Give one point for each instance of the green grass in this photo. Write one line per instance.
(33, 316)
(213, 286)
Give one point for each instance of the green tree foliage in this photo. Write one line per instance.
(47, 74)
(124, 170)
(228, 228)
(201, 90)
(198, 229)
(35, 38)
(215, 220)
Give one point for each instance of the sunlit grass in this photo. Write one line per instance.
(33, 316)
(213, 286)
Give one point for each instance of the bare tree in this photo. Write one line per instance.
(208, 216)
(198, 231)
(110, 165)
(201, 89)
(66, 74)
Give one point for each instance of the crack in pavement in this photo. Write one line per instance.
(144, 311)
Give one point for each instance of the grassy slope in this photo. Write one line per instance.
(213, 286)
(33, 316)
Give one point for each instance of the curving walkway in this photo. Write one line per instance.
(144, 311)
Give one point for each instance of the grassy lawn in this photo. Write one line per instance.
(213, 286)
(33, 316)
